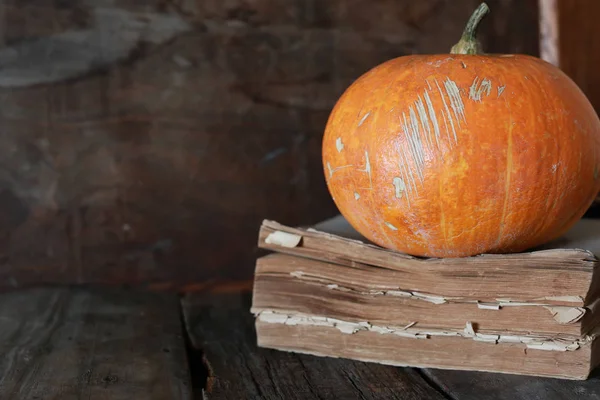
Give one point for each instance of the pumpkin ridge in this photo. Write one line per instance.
(508, 175)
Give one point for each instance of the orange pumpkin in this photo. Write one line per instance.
(464, 153)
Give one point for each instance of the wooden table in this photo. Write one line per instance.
(99, 343)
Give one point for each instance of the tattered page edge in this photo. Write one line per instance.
(412, 330)
(274, 226)
(561, 313)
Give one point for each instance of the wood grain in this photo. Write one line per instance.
(93, 344)
(483, 386)
(549, 35)
(578, 43)
(223, 327)
(143, 142)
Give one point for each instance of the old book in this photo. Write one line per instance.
(444, 352)
(326, 286)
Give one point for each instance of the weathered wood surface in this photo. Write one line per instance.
(571, 40)
(223, 328)
(141, 139)
(91, 344)
(482, 386)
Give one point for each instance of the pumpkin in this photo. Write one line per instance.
(458, 154)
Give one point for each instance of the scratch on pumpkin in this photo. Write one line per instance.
(455, 100)
(389, 225)
(399, 186)
(339, 145)
(424, 120)
(447, 112)
(478, 88)
(333, 170)
(400, 189)
(368, 169)
(384, 232)
(436, 128)
(406, 172)
(437, 63)
(501, 90)
(414, 138)
(364, 118)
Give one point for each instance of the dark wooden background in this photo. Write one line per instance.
(143, 141)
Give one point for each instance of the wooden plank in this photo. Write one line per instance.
(483, 386)
(91, 344)
(223, 327)
(570, 39)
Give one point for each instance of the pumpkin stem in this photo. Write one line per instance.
(468, 44)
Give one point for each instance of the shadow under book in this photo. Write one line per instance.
(326, 291)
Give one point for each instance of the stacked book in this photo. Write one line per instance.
(326, 291)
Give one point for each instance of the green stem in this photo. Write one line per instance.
(468, 44)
